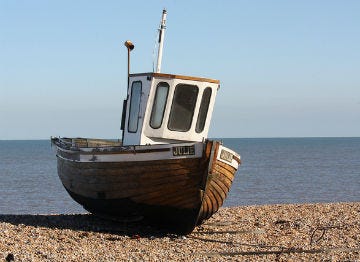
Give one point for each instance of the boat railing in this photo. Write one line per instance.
(77, 143)
(63, 142)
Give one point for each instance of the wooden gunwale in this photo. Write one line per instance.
(238, 160)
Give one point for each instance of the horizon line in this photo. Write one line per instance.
(269, 137)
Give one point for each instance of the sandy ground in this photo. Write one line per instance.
(307, 232)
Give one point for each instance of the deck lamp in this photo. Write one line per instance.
(130, 46)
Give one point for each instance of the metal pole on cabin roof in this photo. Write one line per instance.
(129, 47)
(161, 40)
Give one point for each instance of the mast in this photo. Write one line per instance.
(161, 40)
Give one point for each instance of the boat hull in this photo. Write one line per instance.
(177, 190)
(174, 219)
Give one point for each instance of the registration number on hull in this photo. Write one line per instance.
(183, 150)
(225, 155)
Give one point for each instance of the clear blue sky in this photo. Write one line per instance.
(287, 68)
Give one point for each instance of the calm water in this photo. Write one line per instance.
(281, 170)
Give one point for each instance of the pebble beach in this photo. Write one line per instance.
(291, 232)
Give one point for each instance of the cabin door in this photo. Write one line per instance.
(134, 109)
(133, 123)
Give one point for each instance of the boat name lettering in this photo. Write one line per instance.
(225, 155)
(183, 150)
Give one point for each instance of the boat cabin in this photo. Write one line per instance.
(164, 108)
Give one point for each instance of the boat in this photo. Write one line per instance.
(164, 168)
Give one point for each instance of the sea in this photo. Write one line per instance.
(273, 171)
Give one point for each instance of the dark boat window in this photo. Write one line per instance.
(158, 108)
(182, 108)
(204, 107)
(134, 107)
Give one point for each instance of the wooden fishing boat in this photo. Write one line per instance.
(164, 168)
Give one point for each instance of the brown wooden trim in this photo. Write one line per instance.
(208, 149)
(237, 159)
(171, 76)
(214, 160)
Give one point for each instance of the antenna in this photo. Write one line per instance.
(161, 40)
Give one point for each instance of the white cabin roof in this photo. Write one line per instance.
(166, 108)
(171, 76)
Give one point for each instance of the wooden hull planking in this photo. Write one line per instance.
(218, 184)
(179, 193)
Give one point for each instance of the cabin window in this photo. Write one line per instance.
(134, 106)
(204, 107)
(158, 109)
(182, 108)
